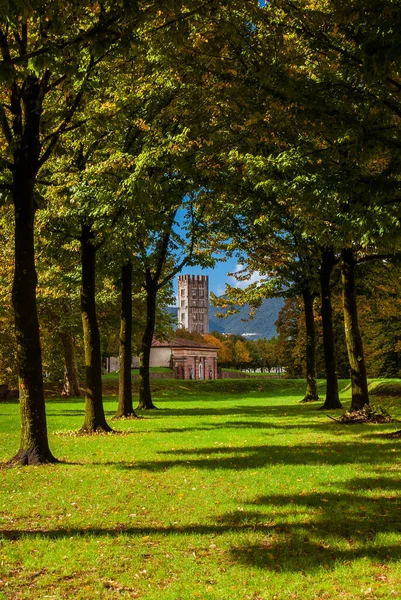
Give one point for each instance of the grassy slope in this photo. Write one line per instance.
(221, 494)
(115, 374)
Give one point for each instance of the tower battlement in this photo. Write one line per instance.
(193, 303)
(193, 278)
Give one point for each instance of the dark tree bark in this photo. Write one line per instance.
(95, 419)
(332, 400)
(71, 380)
(360, 396)
(311, 394)
(125, 407)
(34, 446)
(145, 395)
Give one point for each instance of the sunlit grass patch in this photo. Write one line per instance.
(223, 493)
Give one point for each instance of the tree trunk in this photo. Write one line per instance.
(311, 394)
(95, 419)
(125, 408)
(359, 382)
(71, 381)
(145, 395)
(34, 446)
(332, 399)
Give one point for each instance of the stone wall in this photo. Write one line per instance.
(233, 375)
(157, 376)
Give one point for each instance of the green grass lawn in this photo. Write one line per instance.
(115, 374)
(226, 492)
(256, 374)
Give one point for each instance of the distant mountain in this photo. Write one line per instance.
(172, 311)
(261, 326)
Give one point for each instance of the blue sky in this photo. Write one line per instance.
(218, 276)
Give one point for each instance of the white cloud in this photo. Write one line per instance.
(255, 277)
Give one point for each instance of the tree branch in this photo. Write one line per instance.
(186, 259)
(6, 163)
(57, 82)
(55, 136)
(181, 17)
(83, 36)
(164, 246)
(66, 130)
(5, 125)
(376, 257)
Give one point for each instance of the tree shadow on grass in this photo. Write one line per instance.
(382, 433)
(281, 411)
(320, 529)
(66, 413)
(287, 411)
(374, 484)
(300, 554)
(293, 533)
(324, 426)
(229, 457)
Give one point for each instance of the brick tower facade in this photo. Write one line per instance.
(193, 303)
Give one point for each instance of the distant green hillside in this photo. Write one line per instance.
(261, 326)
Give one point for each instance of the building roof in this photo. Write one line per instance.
(182, 343)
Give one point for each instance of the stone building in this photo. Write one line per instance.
(193, 303)
(189, 359)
